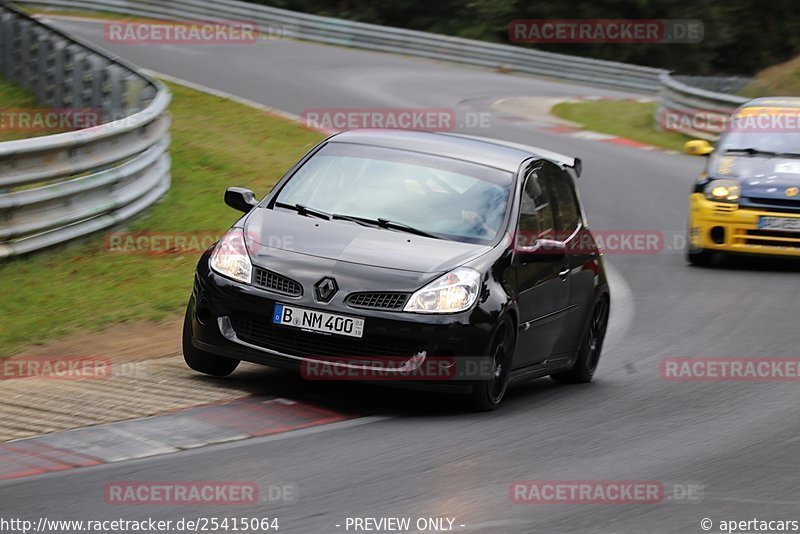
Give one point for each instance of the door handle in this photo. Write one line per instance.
(563, 274)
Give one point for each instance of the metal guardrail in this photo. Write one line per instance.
(719, 84)
(694, 111)
(676, 98)
(59, 187)
(280, 22)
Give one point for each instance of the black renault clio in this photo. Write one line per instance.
(410, 246)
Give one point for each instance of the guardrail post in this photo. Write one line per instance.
(132, 93)
(4, 34)
(45, 89)
(14, 54)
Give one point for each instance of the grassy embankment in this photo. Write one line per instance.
(216, 143)
(634, 120)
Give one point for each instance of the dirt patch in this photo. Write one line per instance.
(122, 342)
(535, 108)
(143, 374)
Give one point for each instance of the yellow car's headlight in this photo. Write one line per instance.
(723, 191)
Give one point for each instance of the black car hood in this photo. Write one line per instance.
(343, 241)
(760, 177)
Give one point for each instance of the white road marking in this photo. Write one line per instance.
(339, 425)
(592, 136)
(622, 308)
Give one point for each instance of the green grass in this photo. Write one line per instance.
(216, 143)
(623, 118)
(778, 80)
(102, 15)
(13, 98)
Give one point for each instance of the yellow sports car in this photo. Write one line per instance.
(747, 200)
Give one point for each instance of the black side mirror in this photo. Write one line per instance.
(240, 198)
(544, 250)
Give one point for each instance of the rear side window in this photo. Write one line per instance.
(568, 213)
(536, 211)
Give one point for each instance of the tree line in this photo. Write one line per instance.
(740, 36)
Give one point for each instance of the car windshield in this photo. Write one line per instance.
(782, 142)
(443, 197)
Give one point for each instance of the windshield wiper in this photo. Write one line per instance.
(758, 152)
(305, 210)
(352, 218)
(752, 152)
(384, 223)
(381, 223)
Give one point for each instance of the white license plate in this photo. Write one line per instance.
(783, 224)
(318, 321)
(788, 167)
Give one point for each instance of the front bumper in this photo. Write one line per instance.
(234, 320)
(729, 228)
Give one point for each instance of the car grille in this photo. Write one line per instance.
(725, 208)
(377, 301)
(772, 238)
(276, 282)
(771, 204)
(261, 331)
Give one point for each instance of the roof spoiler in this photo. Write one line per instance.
(577, 166)
(559, 159)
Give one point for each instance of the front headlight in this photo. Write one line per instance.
(453, 292)
(723, 191)
(230, 257)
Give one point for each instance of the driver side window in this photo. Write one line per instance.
(536, 212)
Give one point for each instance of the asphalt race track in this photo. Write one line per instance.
(418, 455)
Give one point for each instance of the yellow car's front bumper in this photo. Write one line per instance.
(726, 227)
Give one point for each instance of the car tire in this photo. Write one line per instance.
(487, 395)
(590, 348)
(200, 360)
(700, 257)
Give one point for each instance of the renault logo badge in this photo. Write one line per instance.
(792, 191)
(325, 289)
